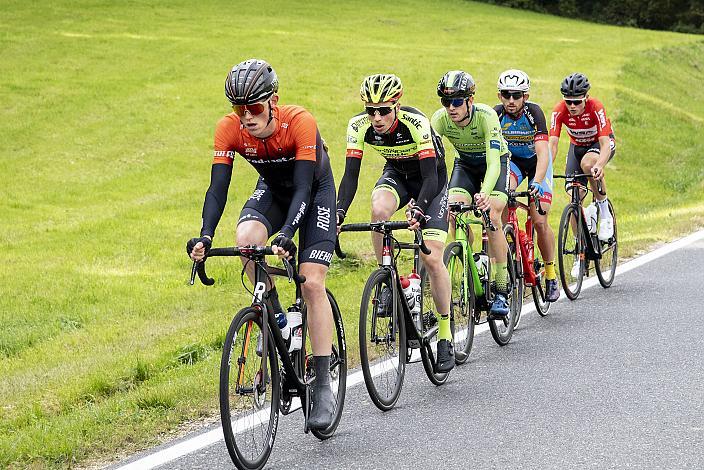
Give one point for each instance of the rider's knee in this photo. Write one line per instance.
(313, 286)
(251, 234)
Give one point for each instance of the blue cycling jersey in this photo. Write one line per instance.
(523, 132)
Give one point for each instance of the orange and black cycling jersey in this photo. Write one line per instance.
(292, 160)
(296, 138)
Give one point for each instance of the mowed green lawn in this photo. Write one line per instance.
(108, 111)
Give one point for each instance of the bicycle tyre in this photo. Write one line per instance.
(429, 320)
(542, 306)
(519, 281)
(606, 276)
(393, 347)
(461, 312)
(338, 369)
(568, 254)
(237, 439)
(502, 329)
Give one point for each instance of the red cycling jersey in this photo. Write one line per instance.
(585, 129)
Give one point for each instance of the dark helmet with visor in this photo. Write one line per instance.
(456, 84)
(250, 82)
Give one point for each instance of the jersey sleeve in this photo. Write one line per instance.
(438, 122)
(541, 128)
(602, 122)
(355, 135)
(226, 137)
(558, 113)
(304, 130)
(493, 137)
(426, 149)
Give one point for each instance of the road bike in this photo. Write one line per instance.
(389, 331)
(578, 241)
(470, 280)
(530, 269)
(259, 376)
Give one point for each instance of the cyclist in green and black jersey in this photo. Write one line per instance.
(481, 165)
(414, 174)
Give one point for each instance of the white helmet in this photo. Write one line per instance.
(514, 80)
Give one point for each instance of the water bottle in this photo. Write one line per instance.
(408, 292)
(414, 281)
(285, 328)
(295, 322)
(590, 213)
(482, 262)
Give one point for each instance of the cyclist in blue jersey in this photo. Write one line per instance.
(524, 127)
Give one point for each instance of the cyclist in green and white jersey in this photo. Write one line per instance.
(481, 167)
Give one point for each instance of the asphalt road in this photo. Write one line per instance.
(612, 380)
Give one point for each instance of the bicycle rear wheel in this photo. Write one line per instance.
(542, 306)
(427, 321)
(502, 329)
(462, 301)
(382, 341)
(570, 248)
(338, 366)
(249, 390)
(606, 266)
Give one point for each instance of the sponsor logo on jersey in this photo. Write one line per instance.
(351, 139)
(416, 122)
(224, 153)
(284, 125)
(257, 194)
(301, 211)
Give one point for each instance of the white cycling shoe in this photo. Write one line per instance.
(606, 229)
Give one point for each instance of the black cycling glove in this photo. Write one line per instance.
(207, 243)
(417, 213)
(282, 241)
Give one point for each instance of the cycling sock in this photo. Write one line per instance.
(273, 300)
(501, 277)
(550, 270)
(604, 209)
(444, 330)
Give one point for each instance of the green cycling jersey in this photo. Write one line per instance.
(478, 143)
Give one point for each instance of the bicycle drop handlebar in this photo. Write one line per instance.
(530, 196)
(252, 252)
(461, 207)
(574, 176)
(381, 227)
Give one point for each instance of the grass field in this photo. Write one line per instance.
(108, 111)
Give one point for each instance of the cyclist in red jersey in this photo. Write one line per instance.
(295, 191)
(592, 143)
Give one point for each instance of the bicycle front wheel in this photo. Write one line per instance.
(382, 340)
(542, 306)
(249, 390)
(462, 301)
(570, 248)
(606, 266)
(338, 366)
(424, 323)
(502, 329)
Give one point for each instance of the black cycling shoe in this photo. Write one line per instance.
(322, 407)
(446, 356)
(385, 307)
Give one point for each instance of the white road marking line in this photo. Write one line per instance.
(208, 438)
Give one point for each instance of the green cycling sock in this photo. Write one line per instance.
(444, 330)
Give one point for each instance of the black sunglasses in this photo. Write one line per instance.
(575, 102)
(516, 95)
(383, 110)
(455, 102)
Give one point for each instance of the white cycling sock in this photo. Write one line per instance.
(604, 209)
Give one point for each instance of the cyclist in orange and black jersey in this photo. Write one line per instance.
(294, 192)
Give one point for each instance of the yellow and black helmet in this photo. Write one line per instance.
(381, 88)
